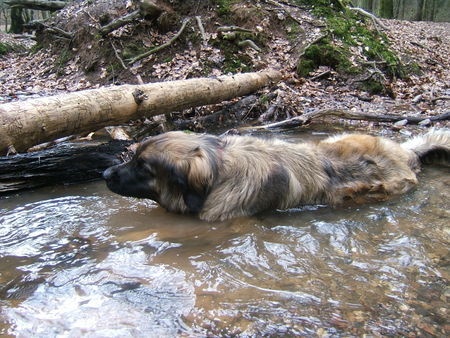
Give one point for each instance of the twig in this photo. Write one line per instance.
(56, 30)
(234, 29)
(249, 43)
(117, 55)
(164, 45)
(440, 98)
(321, 75)
(202, 30)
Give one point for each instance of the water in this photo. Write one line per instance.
(81, 261)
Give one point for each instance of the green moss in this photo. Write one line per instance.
(304, 67)
(36, 48)
(413, 68)
(324, 53)
(233, 60)
(61, 61)
(348, 32)
(263, 99)
(373, 86)
(6, 48)
(113, 68)
(131, 50)
(233, 64)
(224, 7)
(294, 30)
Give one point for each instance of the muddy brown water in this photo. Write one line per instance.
(81, 261)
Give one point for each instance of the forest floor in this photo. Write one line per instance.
(24, 75)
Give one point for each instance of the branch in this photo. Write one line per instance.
(118, 56)
(249, 43)
(59, 31)
(376, 21)
(122, 21)
(37, 24)
(202, 30)
(344, 114)
(164, 45)
(234, 29)
(440, 98)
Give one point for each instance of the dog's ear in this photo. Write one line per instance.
(199, 170)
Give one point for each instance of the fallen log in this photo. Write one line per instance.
(26, 123)
(64, 163)
(42, 5)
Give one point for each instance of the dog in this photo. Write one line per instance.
(218, 178)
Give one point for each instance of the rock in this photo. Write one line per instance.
(400, 124)
(425, 122)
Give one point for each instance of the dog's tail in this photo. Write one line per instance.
(432, 147)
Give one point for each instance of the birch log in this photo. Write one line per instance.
(27, 123)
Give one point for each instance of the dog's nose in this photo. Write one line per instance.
(107, 174)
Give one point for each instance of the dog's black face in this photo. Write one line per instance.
(133, 179)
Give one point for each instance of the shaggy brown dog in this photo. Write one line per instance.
(223, 177)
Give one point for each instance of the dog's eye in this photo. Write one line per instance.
(145, 167)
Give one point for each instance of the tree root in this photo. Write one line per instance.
(377, 22)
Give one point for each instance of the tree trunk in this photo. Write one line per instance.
(387, 9)
(419, 12)
(27, 123)
(16, 21)
(42, 5)
(62, 164)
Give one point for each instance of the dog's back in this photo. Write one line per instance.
(363, 167)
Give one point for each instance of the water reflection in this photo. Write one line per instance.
(81, 261)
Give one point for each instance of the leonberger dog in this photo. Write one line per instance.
(218, 178)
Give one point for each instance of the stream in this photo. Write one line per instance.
(80, 260)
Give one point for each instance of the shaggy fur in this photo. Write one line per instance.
(223, 177)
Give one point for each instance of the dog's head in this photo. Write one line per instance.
(174, 169)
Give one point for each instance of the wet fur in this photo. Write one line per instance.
(224, 177)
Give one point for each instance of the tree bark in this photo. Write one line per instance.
(27, 123)
(62, 164)
(42, 5)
